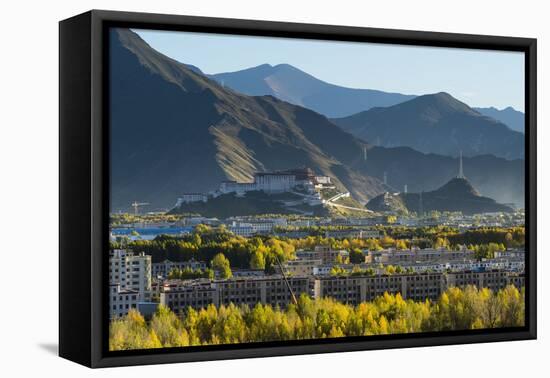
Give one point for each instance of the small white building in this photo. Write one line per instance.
(252, 227)
(243, 229)
(323, 180)
(190, 198)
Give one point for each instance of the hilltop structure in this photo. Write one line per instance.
(276, 182)
(458, 194)
(267, 182)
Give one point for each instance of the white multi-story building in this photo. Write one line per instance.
(243, 229)
(131, 271)
(190, 198)
(274, 182)
(121, 300)
(252, 227)
(323, 180)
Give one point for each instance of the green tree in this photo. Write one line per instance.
(221, 264)
(356, 256)
(257, 260)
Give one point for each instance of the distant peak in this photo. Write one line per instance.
(285, 66)
(443, 101)
(262, 66)
(458, 187)
(442, 95)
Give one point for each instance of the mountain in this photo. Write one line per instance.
(512, 118)
(497, 178)
(174, 131)
(456, 195)
(292, 85)
(436, 123)
(253, 203)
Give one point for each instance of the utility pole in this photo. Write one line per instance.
(294, 300)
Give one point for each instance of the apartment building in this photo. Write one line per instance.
(131, 271)
(162, 269)
(353, 234)
(196, 294)
(356, 289)
(271, 290)
(300, 267)
(324, 253)
(393, 256)
(121, 301)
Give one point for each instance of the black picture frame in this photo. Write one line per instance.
(84, 186)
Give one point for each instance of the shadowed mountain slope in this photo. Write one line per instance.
(436, 123)
(174, 131)
(456, 195)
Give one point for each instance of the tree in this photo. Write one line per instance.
(456, 309)
(221, 264)
(401, 244)
(441, 243)
(356, 256)
(257, 260)
(509, 238)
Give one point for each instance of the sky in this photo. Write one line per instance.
(480, 78)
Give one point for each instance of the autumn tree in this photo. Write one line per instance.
(221, 264)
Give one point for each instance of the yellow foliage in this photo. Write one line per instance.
(467, 308)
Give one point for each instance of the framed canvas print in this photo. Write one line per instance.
(233, 188)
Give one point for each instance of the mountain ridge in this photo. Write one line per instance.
(511, 117)
(293, 85)
(207, 128)
(458, 194)
(171, 124)
(435, 123)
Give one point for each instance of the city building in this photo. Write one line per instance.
(162, 269)
(353, 234)
(121, 300)
(249, 228)
(399, 257)
(190, 198)
(194, 221)
(275, 182)
(178, 296)
(356, 289)
(131, 271)
(301, 267)
(237, 273)
(324, 253)
(273, 290)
